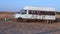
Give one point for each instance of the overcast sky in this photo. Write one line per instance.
(17, 5)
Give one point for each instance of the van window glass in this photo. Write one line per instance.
(24, 12)
(32, 12)
(51, 13)
(47, 13)
(41, 12)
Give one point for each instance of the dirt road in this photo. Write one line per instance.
(12, 27)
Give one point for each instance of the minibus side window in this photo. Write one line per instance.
(51, 13)
(32, 12)
(43, 13)
(47, 13)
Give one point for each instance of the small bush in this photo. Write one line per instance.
(58, 12)
(6, 19)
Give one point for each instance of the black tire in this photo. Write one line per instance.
(51, 21)
(20, 19)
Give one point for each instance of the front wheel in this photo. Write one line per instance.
(20, 19)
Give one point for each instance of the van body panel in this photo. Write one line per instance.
(46, 14)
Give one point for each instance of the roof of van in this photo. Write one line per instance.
(39, 8)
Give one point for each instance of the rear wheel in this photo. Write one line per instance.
(50, 21)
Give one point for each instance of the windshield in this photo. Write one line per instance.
(23, 12)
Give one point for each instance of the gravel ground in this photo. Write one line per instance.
(12, 27)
